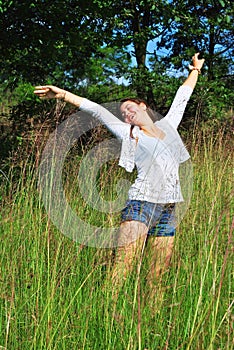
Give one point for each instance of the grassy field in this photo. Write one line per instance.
(53, 293)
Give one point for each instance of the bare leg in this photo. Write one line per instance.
(132, 238)
(159, 251)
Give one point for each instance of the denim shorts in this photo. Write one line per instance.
(159, 218)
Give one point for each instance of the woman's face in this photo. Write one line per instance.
(133, 113)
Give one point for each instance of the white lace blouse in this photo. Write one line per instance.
(157, 161)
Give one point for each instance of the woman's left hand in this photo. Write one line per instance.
(196, 62)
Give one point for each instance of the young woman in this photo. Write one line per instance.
(155, 148)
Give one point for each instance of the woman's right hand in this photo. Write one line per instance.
(49, 91)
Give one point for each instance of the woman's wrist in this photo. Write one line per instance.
(64, 96)
(193, 68)
(71, 98)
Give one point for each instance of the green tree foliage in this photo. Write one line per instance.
(134, 23)
(56, 40)
(60, 40)
(206, 27)
(53, 40)
(88, 45)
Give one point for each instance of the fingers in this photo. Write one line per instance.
(198, 63)
(196, 55)
(41, 91)
(40, 87)
(49, 91)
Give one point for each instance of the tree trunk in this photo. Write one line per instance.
(140, 40)
(211, 53)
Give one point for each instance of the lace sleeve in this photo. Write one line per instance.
(178, 106)
(116, 126)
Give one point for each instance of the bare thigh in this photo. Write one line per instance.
(132, 232)
(159, 251)
(132, 238)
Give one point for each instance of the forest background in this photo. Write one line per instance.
(106, 50)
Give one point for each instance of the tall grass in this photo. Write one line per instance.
(53, 293)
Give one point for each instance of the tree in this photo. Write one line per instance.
(136, 23)
(206, 27)
(59, 40)
(48, 40)
(71, 43)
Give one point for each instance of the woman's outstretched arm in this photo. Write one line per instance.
(196, 69)
(183, 94)
(116, 126)
(50, 91)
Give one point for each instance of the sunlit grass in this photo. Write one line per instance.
(53, 293)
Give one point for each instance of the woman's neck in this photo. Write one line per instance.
(153, 131)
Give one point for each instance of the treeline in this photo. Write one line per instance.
(106, 50)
